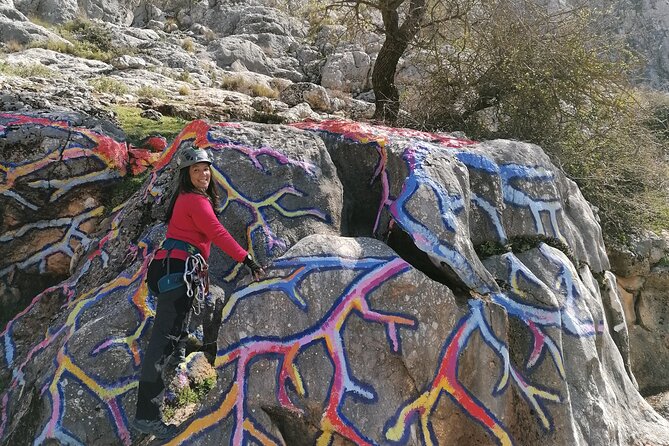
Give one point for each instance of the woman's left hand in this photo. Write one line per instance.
(257, 271)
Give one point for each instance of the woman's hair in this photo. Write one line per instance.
(186, 186)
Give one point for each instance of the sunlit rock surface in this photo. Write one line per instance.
(421, 289)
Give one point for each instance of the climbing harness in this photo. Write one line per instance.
(173, 281)
(195, 275)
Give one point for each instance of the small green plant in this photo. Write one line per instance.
(188, 45)
(190, 394)
(137, 128)
(109, 85)
(209, 35)
(233, 82)
(82, 49)
(147, 91)
(663, 262)
(27, 70)
(184, 90)
(124, 189)
(521, 243)
(184, 76)
(264, 91)
(14, 46)
(491, 248)
(41, 22)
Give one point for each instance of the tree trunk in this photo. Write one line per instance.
(387, 95)
(387, 100)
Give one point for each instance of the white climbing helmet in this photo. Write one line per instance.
(192, 156)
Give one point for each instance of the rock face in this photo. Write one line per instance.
(57, 171)
(642, 272)
(421, 289)
(15, 27)
(61, 11)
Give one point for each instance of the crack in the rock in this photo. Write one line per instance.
(295, 429)
(637, 312)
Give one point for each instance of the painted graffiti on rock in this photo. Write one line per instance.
(566, 317)
(202, 135)
(373, 272)
(100, 159)
(417, 148)
(110, 392)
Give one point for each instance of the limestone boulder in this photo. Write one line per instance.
(61, 63)
(314, 95)
(349, 71)
(642, 270)
(421, 289)
(229, 50)
(15, 27)
(124, 62)
(289, 188)
(506, 201)
(115, 11)
(58, 172)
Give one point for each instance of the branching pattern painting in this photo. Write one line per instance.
(202, 135)
(363, 295)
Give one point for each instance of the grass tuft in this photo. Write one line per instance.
(137, 128)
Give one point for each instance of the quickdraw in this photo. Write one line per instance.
(196, 278)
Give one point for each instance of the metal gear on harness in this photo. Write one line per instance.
(196, 277)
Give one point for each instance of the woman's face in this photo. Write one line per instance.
(200, 175)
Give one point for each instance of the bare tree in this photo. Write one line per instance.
(401, 22)
(398, 37)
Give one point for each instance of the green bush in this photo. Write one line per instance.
(147, 91)
(188, 45)
(523, 73)
(85, 39)
(137, 128)
(27, 70)
(190, 394)
(93, 33)
(264, 91)
(109, 85)
(14, 46)
(233, 82)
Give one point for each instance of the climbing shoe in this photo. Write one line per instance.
(156, 428)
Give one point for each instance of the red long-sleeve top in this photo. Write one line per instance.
(194, 221)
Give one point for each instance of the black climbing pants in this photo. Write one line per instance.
(168, 328)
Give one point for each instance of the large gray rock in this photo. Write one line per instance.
(15, 27)
(228, 18)
(435, 332)
(349, 71)
(61, 63)
(50, 10)
(56, 11)
(485, 193)
(314, 95)
(642, 271)
(230, 50)
(61, 169)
